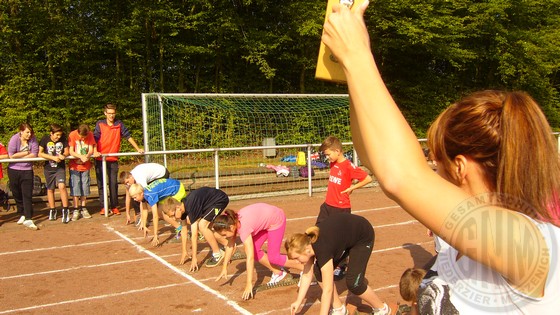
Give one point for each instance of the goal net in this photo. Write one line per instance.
(224, 122)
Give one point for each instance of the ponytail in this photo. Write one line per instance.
(225, 220)
(296, 243)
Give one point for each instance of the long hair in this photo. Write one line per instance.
(297, 242)
(509, 136)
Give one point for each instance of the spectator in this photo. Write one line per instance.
(82, 147)
(54, 148)
(108, 134)
(23, 145)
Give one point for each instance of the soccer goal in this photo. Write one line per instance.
(245, 133)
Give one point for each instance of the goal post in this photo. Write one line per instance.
(225, 121)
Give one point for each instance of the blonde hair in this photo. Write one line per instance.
(410, 282)
(297, 242)
(135, 189)
(507, 134)
(168, 205)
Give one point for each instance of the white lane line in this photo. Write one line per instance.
(58, 247)
(400, 247)
(104, 296)
(286, 310)
(182, 273)
(357, 211)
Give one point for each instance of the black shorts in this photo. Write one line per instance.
(326, 210)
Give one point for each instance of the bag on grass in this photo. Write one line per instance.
(304, 172)
(39, 189)
(301, 160)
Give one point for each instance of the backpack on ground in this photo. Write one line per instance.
(304, 172)
(301, 160)
(39, 188)
(4, 200)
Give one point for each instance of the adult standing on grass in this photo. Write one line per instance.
(54, 148)
(23, 145)
(108, 133)
(494, 197)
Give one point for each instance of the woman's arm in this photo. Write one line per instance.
(387, 145)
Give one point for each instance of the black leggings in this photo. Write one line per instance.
(358, 258)
(21, 185)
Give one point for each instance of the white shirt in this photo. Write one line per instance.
(147, 172)
(476, 289)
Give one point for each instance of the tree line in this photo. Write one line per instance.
(62, 60)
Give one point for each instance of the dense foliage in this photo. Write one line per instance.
(61, 60)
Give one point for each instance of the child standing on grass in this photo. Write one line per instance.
(82, 147)
(199, 209)
(322, 247)
(54, 148)
(342, 174)
(256, 224)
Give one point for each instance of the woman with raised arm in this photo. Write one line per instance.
(494, 198)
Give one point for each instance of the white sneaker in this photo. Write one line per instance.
(85, 213)
(30, 224)
(386, 310)
(277, 278)
(339, 311)
(76, 215)
(21, 219)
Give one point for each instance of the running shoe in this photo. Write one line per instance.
(21, 219)
(30, 224)
(214, 261)
(75, 215)
(116, 211)
(85, 213)
(386, 310)
(52, 215)
(274, 279)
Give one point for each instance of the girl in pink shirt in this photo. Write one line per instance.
(256, 224)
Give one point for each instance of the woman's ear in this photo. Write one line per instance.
(461, 167)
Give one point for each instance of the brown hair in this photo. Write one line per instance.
(24, 126)
(123, 176)
(296, 243)
(509, 136)
(331, 143)
(410, 282)
(109, 106)
(56, 128)
(83, 130)
(225, 220)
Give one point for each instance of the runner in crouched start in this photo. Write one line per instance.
(322, 247)
(256, 224)
(199, 209)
